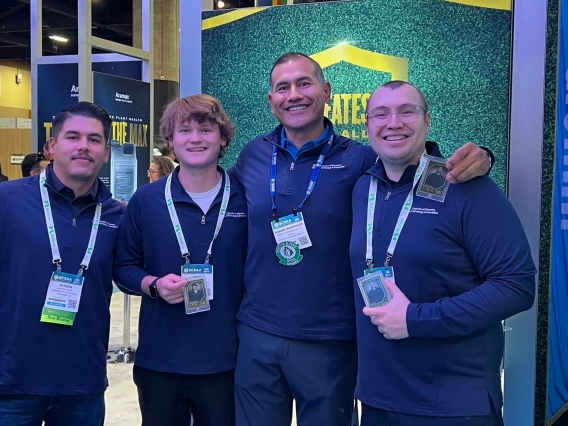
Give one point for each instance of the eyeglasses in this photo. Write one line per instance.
(152, 172)
(406, 113)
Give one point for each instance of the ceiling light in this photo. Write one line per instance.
(220, 4)
(59, 38)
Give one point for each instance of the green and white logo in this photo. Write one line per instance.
(288, 253)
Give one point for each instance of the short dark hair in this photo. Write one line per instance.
(294, 56)
(83, 109)
(32, 162)
(395, 84)
(165, 150)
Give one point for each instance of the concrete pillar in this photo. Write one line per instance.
(166, 46)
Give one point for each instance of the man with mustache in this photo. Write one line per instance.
(57, 233)
(297, 319)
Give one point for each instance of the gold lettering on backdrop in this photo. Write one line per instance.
(349, 109)
(119, 131)
(138, 134)
(354, 134)
(47, 127)
(355, 108)
(145, 127)
(364, 100)
(346, 97)
(130, 132)
(336, 116)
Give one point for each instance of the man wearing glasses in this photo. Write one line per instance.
(431, 356)
(297, 322)
(34, 164)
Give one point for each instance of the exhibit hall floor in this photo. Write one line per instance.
(121, 397)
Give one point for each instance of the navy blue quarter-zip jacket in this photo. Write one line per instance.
(50, 359)
(465, 265)
(313, 299)
(169, 340)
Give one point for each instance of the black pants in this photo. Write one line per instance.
(374, 417)
(170, 398)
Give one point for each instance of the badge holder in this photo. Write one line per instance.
(192, 271)
(433, 183)
(62, 300)
(374, 290)
(195, 296)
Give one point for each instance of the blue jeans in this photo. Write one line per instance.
(32, 410)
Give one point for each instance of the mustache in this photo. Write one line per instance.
(82, 157)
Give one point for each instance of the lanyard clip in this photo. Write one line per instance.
(83, 269)
(370, 264)
(57, 262)
(186, 257)
(274, 214)
(295, 211)
(387, 260)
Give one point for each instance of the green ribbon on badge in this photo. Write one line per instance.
(288, 253)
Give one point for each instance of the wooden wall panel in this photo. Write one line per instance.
(9, 112)
(14, 141)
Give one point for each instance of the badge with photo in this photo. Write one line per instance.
(433, 183)
(195, 296)
(374, 290)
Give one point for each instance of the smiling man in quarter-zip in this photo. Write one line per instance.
(191, 224)
(297, 320)
(431, 355)
(57, 233)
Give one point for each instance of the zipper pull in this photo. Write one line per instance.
(292, 166)
(74, 223)
(387, 196)
(203, 220)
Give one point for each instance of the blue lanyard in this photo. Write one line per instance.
(311, 185)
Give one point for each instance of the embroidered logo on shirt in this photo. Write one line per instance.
(330, 166)
(420, 210)
(236, 214)
(108, 225)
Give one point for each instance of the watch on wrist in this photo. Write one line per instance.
(154, 294)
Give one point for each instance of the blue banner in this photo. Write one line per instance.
(58, 87)
(557, 384)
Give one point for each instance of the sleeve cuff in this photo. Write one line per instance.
(412, 323)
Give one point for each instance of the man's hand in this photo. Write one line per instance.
(467, 162)
(170, 288)
(391, 318)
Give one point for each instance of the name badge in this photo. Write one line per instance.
(62, 299)
(291, 228)
(387, 272)
(200, 270)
